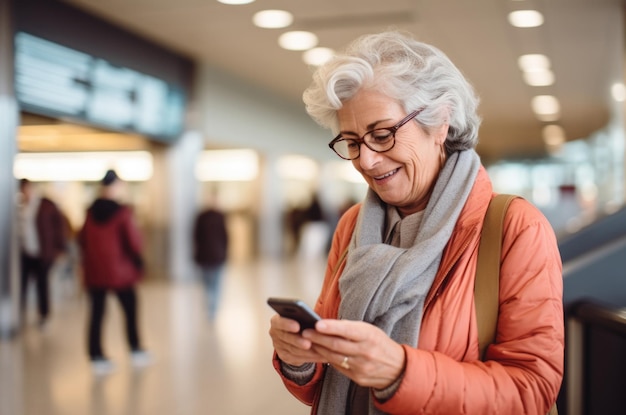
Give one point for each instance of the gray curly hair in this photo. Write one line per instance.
(415, 74)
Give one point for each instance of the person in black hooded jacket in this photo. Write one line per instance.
(210, 240)
(111, 247)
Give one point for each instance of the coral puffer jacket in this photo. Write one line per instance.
(523, 369)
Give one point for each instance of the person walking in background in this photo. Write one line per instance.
(111, 248)
(210, 238)
(42, 240)
(314, 238)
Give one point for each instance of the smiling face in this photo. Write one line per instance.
(405, 175)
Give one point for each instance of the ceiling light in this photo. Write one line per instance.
(543, 77)
(317, 56)
(272, 19)
(533, 62)
(295, 167)
(227, 165)
(553, 135)
(526, 18)
(83, 166)
(235, 1)
(546, 107)
(297, 40)
(618, 91)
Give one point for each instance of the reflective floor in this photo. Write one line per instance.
(199, 368)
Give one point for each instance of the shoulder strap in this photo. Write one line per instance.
(487, 281)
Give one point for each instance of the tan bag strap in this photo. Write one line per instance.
(487, 281)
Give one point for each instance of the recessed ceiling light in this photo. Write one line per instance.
(533, 62)
(553, 135)
(317, 56)
(297, 40)
(546, 107)
(526, 18)
(618, 91)
(536, 68)
(236, 1)
(542, 77)
(272, 19)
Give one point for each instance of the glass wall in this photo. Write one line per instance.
(579, 182)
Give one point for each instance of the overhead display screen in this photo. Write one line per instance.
(51, 79)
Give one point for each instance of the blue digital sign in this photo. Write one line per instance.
(51, 79)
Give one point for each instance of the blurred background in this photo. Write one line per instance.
(197, 99)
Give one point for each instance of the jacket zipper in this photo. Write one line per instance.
(444, 282)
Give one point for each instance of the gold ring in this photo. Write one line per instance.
(344, 363)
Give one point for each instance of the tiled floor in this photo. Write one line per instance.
(200, 368)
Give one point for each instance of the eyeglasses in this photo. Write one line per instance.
(378, 140)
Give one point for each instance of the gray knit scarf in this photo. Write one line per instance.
(386, 285)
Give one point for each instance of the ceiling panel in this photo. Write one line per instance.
(583, 38)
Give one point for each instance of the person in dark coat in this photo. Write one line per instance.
(210, 238)
(111, 247)
(42, 240)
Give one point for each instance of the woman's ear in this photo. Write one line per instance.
(440, 134)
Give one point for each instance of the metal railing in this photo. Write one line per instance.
(595, 362)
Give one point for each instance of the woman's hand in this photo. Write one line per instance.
(373, 358)
(291, 347)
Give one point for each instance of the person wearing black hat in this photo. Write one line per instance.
(109, 177)
(111, 245)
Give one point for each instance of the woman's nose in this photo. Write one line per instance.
(367, 158)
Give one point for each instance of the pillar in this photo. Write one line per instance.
(9, 116)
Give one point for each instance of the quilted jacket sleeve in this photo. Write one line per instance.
(326, 305)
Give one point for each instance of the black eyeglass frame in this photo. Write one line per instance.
(361, 140)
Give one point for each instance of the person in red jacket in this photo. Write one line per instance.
(111, 248)
(399, 332)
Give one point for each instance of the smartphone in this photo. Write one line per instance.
(296, 310)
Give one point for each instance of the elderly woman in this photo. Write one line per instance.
(398, 333)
